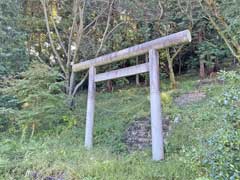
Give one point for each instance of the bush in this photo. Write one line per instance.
(221, 156)
(8, 106)
(43, 104)
(166, 99)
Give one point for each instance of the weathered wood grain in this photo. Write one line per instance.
(129, 71)
(90, 108)
(156, 111)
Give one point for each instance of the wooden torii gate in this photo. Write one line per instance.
(152, 67)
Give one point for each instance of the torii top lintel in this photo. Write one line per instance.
(182, 37)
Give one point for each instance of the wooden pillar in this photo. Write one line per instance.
(156, 111)
(90, 108)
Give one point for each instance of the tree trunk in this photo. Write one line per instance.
(171, 74)
(71, 83)
(109, 86)
(202, 70)
(180, 66)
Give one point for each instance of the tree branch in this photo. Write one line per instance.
(59, 37)
(221, 34)
(113, 29)
(74, 22)
(79, 84)
(79, 33)
(50, 37)
(176, 53)
(95, 19)
(161, 9)
(106, 29)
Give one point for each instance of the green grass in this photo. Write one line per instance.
(54, 155)
(62, 152)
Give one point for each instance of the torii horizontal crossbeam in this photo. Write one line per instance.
(125, 72)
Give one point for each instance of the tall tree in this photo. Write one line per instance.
(70, 42)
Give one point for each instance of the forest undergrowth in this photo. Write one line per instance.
(48, 143)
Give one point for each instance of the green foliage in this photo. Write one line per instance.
(231, 77)
(43, 104)
(8, 101)
(166, 99)
(210, 52)
(221, 149)
(64, 156)
(8, 106)
(222, 154)
(126, 105)
(13, 57)
(203, 145)
(229, 10)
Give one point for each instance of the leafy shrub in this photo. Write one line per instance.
(166, 99)
(229, 76)
(221, 155)
(9, 101)
(8, 106)
(43, 104)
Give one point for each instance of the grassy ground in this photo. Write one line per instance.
(62, 154)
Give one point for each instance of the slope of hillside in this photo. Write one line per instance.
(203, 140)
